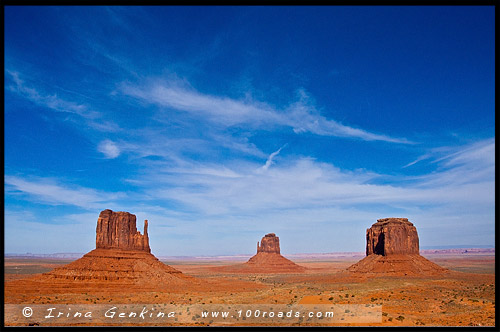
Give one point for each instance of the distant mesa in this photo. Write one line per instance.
(392, 248)
(122, 254)
(268, 259)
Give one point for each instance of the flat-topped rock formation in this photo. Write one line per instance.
(117, 230)
(122, 254)
(270, 243)
(267, 259)
(392, 248)
(391, 236)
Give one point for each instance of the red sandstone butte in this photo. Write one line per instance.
(391, 236)
(117, 230)
(392, 248)
(267, 259)
(122, 255)
(269, 243)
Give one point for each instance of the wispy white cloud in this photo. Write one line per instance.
(303, 117)
(269, 160)
(104, 126)
(482, 151)
(307, 183)
(300, 116)
(298, 194)
(289, 198)
(159, 144)
(423, 157)
(50, 101)
(51, 191)
(472, 163)
(213, 188)
(59, 104)
(237, 144)
(109, 149)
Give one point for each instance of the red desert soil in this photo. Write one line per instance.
(452, 299)
(121, 270)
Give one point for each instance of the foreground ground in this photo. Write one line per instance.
(463, 297)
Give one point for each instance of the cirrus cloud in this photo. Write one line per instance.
(301, 116)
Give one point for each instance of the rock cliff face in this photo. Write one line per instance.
(117, 230)
(270, 243)
(392, 236)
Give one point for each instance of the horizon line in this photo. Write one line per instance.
(251, 254)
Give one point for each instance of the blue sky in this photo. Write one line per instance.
(222, 124)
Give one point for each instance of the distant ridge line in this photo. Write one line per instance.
(464, 250)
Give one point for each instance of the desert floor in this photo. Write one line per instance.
(463, 297)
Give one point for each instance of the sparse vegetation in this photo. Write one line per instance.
(453, 302)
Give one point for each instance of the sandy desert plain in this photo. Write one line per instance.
(121, 282)
(465, 296)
